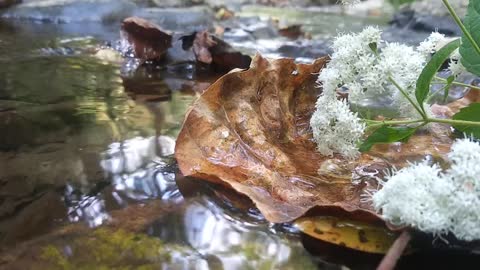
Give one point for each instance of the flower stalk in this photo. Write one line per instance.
(444, 81)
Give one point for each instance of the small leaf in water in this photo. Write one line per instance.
(386, 134)
(470, 113)
(351, 234)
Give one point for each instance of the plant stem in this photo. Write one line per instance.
(394, 122)
(375, 123)
(419, 109)
(461, 25)
(443, 81)
(395, 252)
(453, 122)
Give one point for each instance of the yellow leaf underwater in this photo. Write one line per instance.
(351, 234)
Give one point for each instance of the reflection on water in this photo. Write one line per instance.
(229, 243)
(86, 150)
(91, 209)
(138, 173)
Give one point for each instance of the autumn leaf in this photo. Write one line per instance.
(149, 41)
(352, 234)
(250, 131)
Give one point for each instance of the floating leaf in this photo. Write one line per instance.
(470, 113)
(431, 69)
(387, 134)
(470, 56)
(351, 234)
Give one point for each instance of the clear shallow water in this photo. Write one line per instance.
(87, 178)
(86, 153)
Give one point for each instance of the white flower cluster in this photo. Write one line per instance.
(432, 44)
(336, 129)
(356, 66)
(366, 73)
(424, 197)
(366, 65)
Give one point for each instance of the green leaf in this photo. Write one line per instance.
(374, 47)
(470, 113)
(387, 134)
(470, 57)
(431, 69)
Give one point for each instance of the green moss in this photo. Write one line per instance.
(106, 249)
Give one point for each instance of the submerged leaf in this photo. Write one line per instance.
(351, 234)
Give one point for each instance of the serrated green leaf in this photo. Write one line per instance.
(387, 134)
(470, 113)
(470, 57)
(431, 69)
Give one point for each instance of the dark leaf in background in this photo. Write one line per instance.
(148, 40)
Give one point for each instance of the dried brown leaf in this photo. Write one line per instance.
(250, 131)
(149, 41)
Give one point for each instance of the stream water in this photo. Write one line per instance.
(87, 177)
(86, 148)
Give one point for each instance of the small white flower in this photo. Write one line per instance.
(455, 65)
(370, 34)
(423, 197)
(432, 44)
(336, 129)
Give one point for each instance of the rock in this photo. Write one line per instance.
(414, 23)
(176, 3)
(292, 31)
(108, 56)
(67, 11)
(437, 8)
(8, 3)
(213, 51)
(179, 19)
(149, 41)
(308, 50)
(408, 18)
